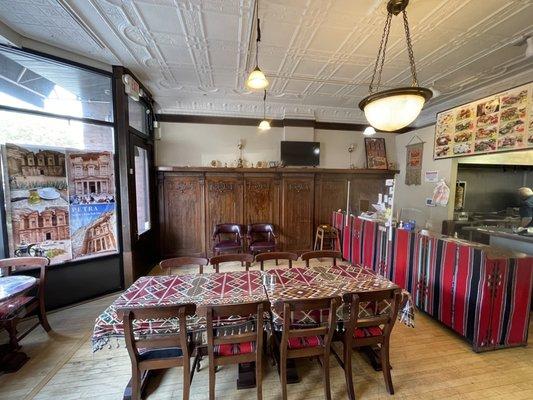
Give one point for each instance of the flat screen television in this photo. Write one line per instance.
(300, 153)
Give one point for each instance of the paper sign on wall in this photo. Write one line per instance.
(431, 176)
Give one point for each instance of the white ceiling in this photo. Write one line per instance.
(318, 54)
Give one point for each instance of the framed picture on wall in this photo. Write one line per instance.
(376, 154)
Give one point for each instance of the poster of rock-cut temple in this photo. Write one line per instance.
(93, 230)
(91, 177)
(37, 176)
(42, 232)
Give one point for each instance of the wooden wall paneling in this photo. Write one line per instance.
(297, 211)
(223, 202)
(364, 191)
(261, 198)
(330, 195)
(182, 215)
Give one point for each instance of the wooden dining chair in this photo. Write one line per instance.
(159, 351)
(170, 263)
(276, 255)
(321, 254)
(368, 331)
(244, 258)
(306, 342)
(16, 308)
(227, 348)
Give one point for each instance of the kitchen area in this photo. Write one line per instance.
(486, 205)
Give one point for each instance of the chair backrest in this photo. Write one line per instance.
(321, 254)
(169, 264)
(246, 258)
(385, 320)
(152, 342)
(244, 310)
(17, 264)
(293, 307)
(276, 255)
(261, 230)
(235, 230)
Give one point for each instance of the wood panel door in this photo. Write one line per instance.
(297, 211)
(182, 208)
(261, 198)
(223, 203)
(330, 195)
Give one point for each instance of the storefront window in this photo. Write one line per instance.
(57, 144)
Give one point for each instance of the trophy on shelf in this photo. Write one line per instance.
(351, 148)
(240, 161)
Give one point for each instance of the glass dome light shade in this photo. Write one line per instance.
(264, 125)
(394, 109)
(369, 131)
(256, 79)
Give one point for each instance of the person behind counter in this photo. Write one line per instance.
(526, 209)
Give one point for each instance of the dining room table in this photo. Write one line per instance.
(238, 287)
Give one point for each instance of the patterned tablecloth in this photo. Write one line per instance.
(322, 281)
(203, 290)
(239, 287)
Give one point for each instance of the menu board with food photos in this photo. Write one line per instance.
(502, 122)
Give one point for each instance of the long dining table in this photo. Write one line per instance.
(239, 287)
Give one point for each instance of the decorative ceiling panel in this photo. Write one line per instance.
(194, 55)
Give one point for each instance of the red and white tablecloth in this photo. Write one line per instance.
(323, 281)
(203, 290)
(235, 288)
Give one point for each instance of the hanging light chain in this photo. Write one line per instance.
(410, 49)
(264, 104)
(381, 55)
(258, 38)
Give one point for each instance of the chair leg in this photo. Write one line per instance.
(11, 328)
(325, 368)
(348, 371)
(41, 313)
(212, 370)
(259, 377)
(136, 385)
(283, 377)
(385, 366)
(186, 377)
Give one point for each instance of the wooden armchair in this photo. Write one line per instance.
(321, 254)
(368, 331)
(306, 342)
(16, 308)
(236, 348)
(169, 264)
(261, 238)
(227, 238)
(243, 258)
(276, 255)
(159, 352)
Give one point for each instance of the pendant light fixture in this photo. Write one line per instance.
(393, 109)
(369, 131)
(257, 79)
(264, 125)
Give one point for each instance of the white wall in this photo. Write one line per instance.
(190, 144)
(414, 196)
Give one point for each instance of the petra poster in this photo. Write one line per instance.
(91, 177)
(61, 204)
(38, 202)
(93, 230)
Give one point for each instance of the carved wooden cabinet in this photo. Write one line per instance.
(193, 200)
(330, 195)
(181, 215)
(223, 202)
(297, 211)
(261, 198)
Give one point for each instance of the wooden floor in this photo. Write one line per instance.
(429, 362)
